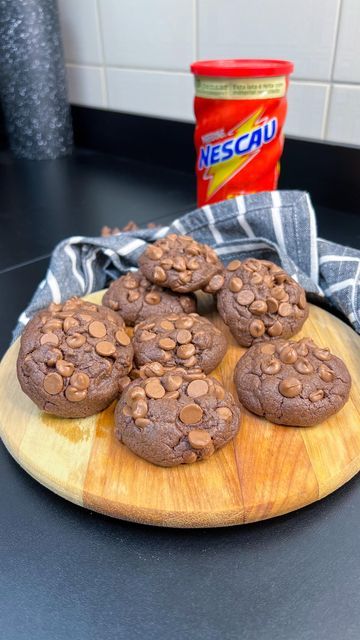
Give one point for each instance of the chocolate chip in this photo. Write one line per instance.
(193, 264)
(271, 366)
(219, 392)
(154, 253)
(76, 340)
(105, 348)
(268, 349)
(97, 329)
(185, 351)
(80, 380)
(159, 274)
(215, 283)
(167, 344)
(123, 383)
(258, 307)
(75, 395)
(152, 298)
(49, 338)
(183, 336)
(172, 382)
(189, 457)
(147, 335)
(276, 329)
(303, 366)
(235, 284)
(197, 388)
(302, 349)
(199, 438)
(185, 276)
(136, 393)
(277, 292)
(272, 305)
(139, 409)
(154, 389)
(52, 356)
(315, 396)
(52, 325)
(224, 413)
(122, 338)
(142, 422)
(302, 300)
(190, 362)
(70, 323)
(65, 368)
(154, 368)
(166, 263)
(290, 387)
(326, 374)
(233, 265)
(257, 328)
(191, 414)
(184, 323)
(245, 297)
(130, 282)
(166, 325)
(322, 354)
(132, 296)
(288, 355)
(285, 309)
(256, 279)
(53, 383)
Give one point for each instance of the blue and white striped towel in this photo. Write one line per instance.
(277, 225)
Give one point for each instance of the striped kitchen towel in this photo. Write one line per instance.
(278, 226)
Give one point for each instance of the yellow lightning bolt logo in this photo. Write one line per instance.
(227, 169)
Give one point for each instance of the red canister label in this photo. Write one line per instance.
(238, 135)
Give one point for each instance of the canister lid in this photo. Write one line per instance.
(256, 68)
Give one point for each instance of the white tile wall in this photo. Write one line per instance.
(300, 30)
(86, 86)
(344, 115)
(134, 55)
(347, 64)
(153, 93)
(155, 34)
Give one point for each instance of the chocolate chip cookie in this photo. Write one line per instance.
(260, 300)
(182, 264)
(171, 419)
(189, 341)
(292, 383)
(136, 299)
(73, 358)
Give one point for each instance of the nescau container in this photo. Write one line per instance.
(240, 109)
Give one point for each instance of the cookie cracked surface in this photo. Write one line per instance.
(182, 264)
(73, 358)
(260, 300)
(292, 382)
(174, 418)
(189, 341)
(136, 299)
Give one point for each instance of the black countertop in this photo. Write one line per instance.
(66, 572)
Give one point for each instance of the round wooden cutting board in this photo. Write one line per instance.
(266, 471)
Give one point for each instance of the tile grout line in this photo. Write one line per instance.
(325, 125)
(104, 87)
(26, 263)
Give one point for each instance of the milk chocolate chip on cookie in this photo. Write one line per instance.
(74, 358)
(182, 264)
(135, 298)
(189, 341)
(172, 419)
(292, 383)
(260, 300)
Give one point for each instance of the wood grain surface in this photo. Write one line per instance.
(266, 471)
